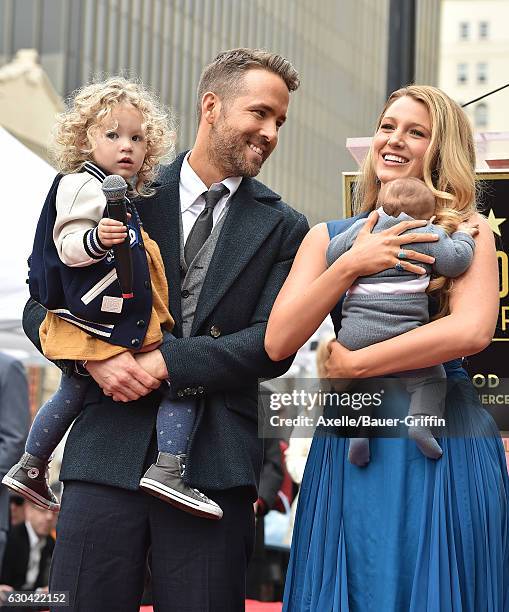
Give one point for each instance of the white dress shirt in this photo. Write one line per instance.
(192, 201)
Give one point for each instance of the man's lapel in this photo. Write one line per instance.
(161, 219)
(250, 219)
(248, 223)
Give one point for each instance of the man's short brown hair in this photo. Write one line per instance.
(409, 195)
(225, 74)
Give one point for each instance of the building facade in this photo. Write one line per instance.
(339, 48)
(474, 56)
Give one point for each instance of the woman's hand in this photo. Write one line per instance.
(374, 252)
(468, 329)
(341, 362)
(311, 290)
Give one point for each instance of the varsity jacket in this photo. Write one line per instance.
(87, 294)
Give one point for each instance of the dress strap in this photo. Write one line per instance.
(338, 226)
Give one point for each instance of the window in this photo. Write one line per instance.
(483, 30)
(481, 114)
(482, 73)
(462, 74)
(464, 30)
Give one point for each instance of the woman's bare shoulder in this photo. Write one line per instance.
(317, 237)
(319, 233)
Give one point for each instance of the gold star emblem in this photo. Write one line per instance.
(495, 222)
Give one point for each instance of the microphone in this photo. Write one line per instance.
(114, 188)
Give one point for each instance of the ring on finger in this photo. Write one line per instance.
(401, 254)
(399, 267)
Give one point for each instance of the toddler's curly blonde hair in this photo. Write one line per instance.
(73, 141)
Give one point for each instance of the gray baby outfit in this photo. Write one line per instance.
(375, 317)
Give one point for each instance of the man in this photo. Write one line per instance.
(14, 422)
(228, 287)
(16, 509)
(28, 552)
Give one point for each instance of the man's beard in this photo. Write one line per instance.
(227, 150)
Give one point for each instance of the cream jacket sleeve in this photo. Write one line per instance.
(80, 204)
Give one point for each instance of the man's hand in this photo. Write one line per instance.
(122, 378)
(153, 363)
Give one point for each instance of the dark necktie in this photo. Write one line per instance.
(203, 224)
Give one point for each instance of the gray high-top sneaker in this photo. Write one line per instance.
(163, 479)
(29, 478)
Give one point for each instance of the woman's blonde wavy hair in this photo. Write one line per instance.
(73, 140)
(449, 169)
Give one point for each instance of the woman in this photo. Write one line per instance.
(405, 532)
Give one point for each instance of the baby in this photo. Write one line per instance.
(394, 301)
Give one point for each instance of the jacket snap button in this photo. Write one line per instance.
(185, 293)
(140, 323)
(135, 342)
(147, 284)
(215, 331)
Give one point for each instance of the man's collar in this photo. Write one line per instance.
(195, 187)
(33, 538)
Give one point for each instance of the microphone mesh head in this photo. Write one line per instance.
(114, 187)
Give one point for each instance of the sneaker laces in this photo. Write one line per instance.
(202, 495)
(197, 491)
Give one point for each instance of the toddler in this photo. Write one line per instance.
(114, 127)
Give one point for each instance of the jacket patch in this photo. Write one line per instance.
(112, 304)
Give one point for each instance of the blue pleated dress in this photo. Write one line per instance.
(405, 533)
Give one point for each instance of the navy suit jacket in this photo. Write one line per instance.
(220, 363)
